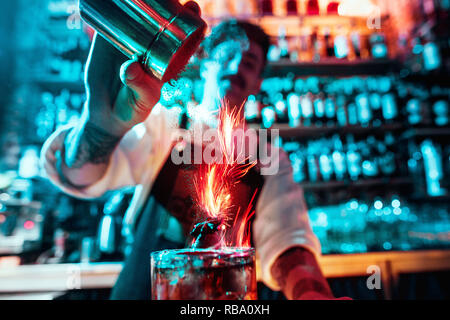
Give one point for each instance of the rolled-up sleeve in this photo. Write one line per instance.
(281, 220)
(136, 160)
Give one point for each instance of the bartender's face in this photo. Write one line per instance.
(234, 71)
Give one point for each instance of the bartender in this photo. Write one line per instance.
(124, 137)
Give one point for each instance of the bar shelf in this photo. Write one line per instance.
(317, 186)
(286, 131)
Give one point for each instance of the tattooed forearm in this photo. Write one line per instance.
(91, 144)
(297, 273)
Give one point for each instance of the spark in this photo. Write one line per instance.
(215, 181)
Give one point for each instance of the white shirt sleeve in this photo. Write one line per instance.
(136, 160)
(281, 221)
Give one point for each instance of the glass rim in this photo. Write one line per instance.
(218, 257)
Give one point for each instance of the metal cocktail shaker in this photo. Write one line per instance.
(161, 33)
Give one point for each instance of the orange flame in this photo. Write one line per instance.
(240, 236)
(214, 182)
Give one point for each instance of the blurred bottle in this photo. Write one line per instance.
(341, 49)
(325, 161)
(330, 111)
(319, 109)
(378, 45)
(386, 160)
(29, 163)
(353, 158)
(266, 7)
(352, 113)
(339, 159)
(316, 45)
(251, 110)
(294, 110)
(280, 107)
(369, 162)
(389, 108)
(268, 115)
(414, 112)
(431, 55)
(433, 167)
(341, 110)
(313, 163)
(375, 106)
(306, 105)
(416, 167)
(329, 43)
(298, 161)
(355, 40)
(283, 43)
(291, 7)
(364, 112)
(440, 109)
(312, 8)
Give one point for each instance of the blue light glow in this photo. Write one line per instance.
(395, 203)
(378, 204)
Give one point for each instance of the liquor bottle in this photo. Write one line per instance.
(341, 113)
(352, 113)
(306, 109)
(266, 7)
(280, 108)
(356, 43)
(325, 162)
(332, 8)
(330, 111)
(251, 110)
(312, 8)
(369, 162)
(379, 48)
(294, 111)
(375, 106)
(298, 161)
(433, 167)
(338, 156)
(440, 109)
(353, 158)
(389, 108)
(291, 7)
(341, 49)
(329, 45)
(386, 160)
(319, 110)
(268, 115)
(313, 164)
(316, 45)
(431, 55)
(283, 43)
(414, 112)
(363, 109)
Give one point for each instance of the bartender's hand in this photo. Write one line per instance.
(120, 94)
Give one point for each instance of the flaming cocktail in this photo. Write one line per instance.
(204, 274)
(220, 264)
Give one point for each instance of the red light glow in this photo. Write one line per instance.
(28, 224)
